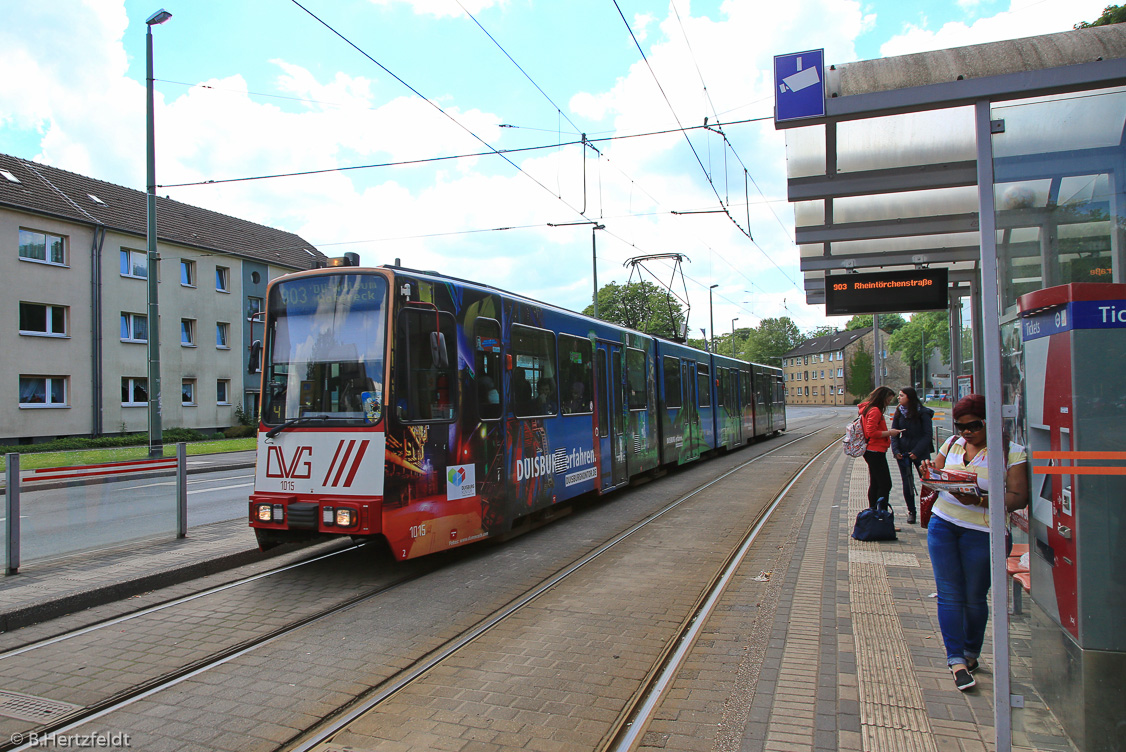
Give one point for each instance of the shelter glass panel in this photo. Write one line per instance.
(1059, 195)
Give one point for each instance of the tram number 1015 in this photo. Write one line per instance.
(418, 531)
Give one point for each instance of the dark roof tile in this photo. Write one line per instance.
(49, 190)
(827, 342)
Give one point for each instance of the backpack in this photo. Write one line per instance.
(854, 443)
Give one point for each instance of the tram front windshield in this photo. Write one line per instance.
(324, 349)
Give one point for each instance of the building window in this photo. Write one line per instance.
(187, 332)
(187, 392)
(134, 392)
(223, 336)
(223, 392)
(187, 273)
(822, 374)
(43, 391)
(134, 264)
(840, 372)
(222, 279)
(41, 319)
(134, 327)
(42, 246)
(253, 308)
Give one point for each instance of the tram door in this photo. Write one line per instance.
(691, 450)
(611, 416)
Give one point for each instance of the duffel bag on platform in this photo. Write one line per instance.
(875, 524)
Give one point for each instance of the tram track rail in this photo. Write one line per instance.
(381, 692)
(638, 711)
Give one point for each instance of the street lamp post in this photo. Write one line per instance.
(733, 335)
(711, 318)
(156, 443)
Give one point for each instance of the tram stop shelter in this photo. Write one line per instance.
(1004, 163)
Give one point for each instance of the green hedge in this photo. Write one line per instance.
(70, 443)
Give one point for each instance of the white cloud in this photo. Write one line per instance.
(444, 8)
(1024, 18)
(90, 115)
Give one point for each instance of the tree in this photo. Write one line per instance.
(820, 331)
(771, 339)
(640, 305)
(858, 378)
(925, 331)
(1112, 14)
(889, 322)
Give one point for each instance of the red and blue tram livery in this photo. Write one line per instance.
(435, 412)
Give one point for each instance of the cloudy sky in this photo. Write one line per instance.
(416, 96)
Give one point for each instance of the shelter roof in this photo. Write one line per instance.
(888, 179)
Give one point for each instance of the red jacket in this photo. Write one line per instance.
(874, 425)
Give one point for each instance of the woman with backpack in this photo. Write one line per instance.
(879, 436)
(913, 445)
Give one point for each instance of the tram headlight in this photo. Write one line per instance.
(264, 512)
(345, 517)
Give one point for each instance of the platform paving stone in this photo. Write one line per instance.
(819, 643)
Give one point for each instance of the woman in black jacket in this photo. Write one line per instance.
(913, 445)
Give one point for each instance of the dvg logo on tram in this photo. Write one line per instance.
(298, 467)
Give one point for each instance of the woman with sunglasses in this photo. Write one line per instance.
(879, 439)
(958, 537)
(913, 445)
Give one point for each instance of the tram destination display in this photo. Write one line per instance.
(886, 292)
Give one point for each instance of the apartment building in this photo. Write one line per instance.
(74, 274)
(816, 371)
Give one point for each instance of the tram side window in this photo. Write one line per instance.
(704, 385)
(486, 364)
(721, 391)
(637, 381)
(535, 392)
(603, 407)
(576, 375)
(672, 382)
(745, 380)
(425, 386)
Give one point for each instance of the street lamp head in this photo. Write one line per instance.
(714, 286)
(158, 18)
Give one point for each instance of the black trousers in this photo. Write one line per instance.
(879, 478)
(907, 468)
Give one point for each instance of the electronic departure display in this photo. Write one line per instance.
(886, 292)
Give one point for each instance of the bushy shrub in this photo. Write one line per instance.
(176, 435)
(240, 432)
(72, 443)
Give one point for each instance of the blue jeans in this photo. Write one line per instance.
(960, 558)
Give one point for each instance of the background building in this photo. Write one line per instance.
(817, 371)
(73, 275)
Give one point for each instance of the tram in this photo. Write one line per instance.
(434, 412)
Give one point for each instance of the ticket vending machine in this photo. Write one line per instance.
(1074, 342)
